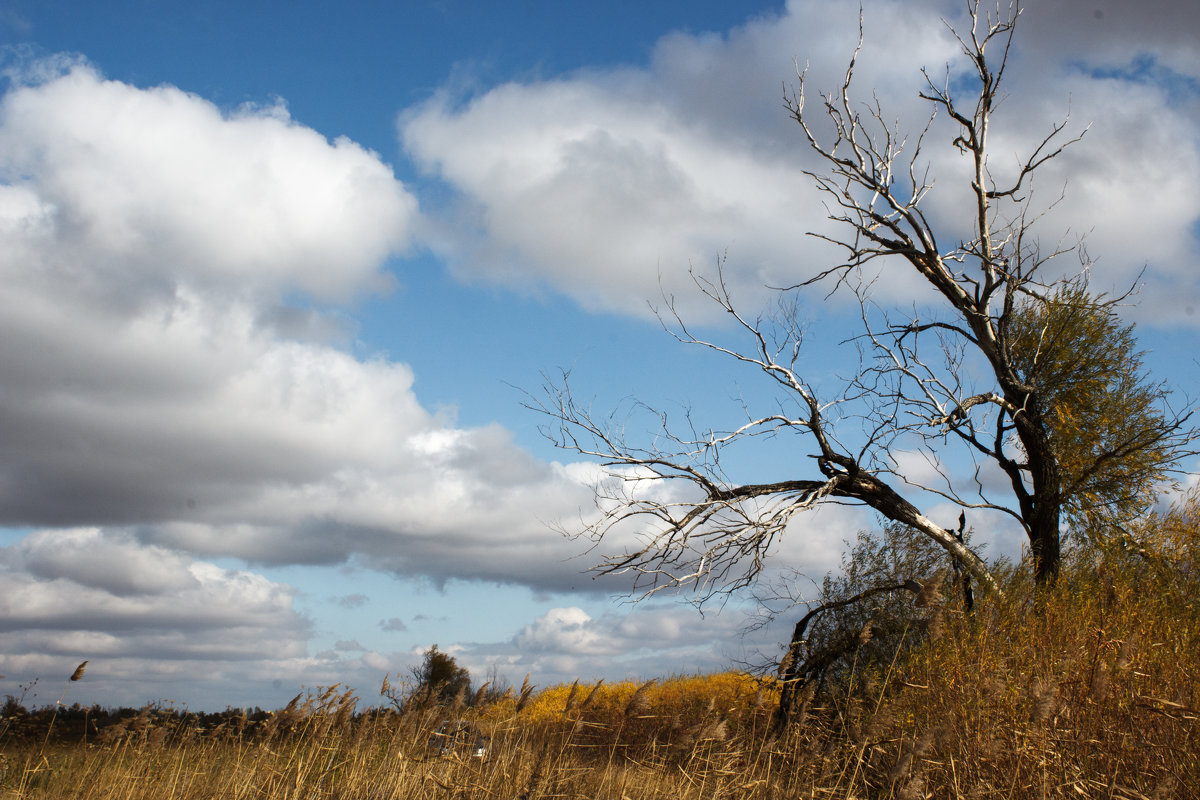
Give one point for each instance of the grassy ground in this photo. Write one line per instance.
(1090, 690)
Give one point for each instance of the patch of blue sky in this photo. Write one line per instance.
(484, 351)
(350, 68)
(12, 536)
(474, 345)
(1146, 69)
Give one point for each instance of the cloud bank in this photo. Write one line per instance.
(150, 385)
(177, 390)
(601, 184)
(179, 387)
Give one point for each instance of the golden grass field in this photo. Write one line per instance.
(1089, 690)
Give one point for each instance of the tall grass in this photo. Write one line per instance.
(1091, 689)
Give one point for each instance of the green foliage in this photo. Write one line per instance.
(1112, 433)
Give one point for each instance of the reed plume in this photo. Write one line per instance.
(587, 701)
(639, 702)
(526, 692)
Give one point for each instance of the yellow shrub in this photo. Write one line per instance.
(723, 693)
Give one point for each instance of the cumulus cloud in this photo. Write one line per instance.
(592, 194)
(117, 564)
(139, 614)
(564, 630)
(168, 337)
(59, 579)
(567, 643)
(125, 189)
(599, 183)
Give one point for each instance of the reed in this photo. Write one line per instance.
(1090, 689)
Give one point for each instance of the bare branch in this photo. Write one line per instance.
(985, 374)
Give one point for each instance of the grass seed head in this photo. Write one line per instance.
(640, 701)
(526, 692)
(591, 696)
(572, 696)
(931, 590)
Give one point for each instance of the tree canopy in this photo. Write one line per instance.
(1110, 427)
(439, 678)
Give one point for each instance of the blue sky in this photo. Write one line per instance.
(278, 274)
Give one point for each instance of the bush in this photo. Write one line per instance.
(439, 679)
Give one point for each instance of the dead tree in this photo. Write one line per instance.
(964, 383)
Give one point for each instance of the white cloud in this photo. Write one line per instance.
(135, 613)
(156, 626)
(127, 189)
(43, 591)
(652, 640)
(596, 183)
(563, 630)
(597, 207)
(166, 269)
(113, 564)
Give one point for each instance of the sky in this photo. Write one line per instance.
(280, 278)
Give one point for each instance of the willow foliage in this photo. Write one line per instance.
(1112, 430)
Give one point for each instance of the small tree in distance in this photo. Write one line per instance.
(1014, 371)
(439, 678)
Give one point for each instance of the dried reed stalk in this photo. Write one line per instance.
(526, 692)
(931, 590)
(587, 701)
(571, 697)
(640, 701)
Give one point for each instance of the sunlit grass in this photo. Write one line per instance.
(1089, 690)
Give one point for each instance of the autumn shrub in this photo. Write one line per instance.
(1088, 688)
(660, 717)
(889, 592)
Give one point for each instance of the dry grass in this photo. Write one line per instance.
(1091, 690)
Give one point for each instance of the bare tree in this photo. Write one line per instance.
(971, 378)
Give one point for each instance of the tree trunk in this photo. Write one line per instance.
(1044, 544)
(1041, 508)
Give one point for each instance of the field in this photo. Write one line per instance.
(1091, 689)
